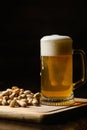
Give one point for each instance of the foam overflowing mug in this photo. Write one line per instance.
(56, 55)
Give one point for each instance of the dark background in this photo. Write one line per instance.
(23, 23)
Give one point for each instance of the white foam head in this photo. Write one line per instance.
(54, 45)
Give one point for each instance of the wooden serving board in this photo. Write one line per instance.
(39, 113)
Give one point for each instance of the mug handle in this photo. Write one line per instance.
(83, 58)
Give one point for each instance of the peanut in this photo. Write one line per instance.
(35, 102)
(22, 103)
(13, 103)
(18, 97)
(4, 102)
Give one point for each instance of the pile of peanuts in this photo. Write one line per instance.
(18, 97)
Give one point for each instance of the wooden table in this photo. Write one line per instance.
(75, 119)
(77, 123)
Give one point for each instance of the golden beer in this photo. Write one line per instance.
(56, 76)
(56, 70)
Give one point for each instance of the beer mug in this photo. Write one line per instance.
(56, 55)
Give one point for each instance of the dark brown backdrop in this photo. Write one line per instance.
(23, 23)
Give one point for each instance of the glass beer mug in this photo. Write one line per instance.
(56, 55)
